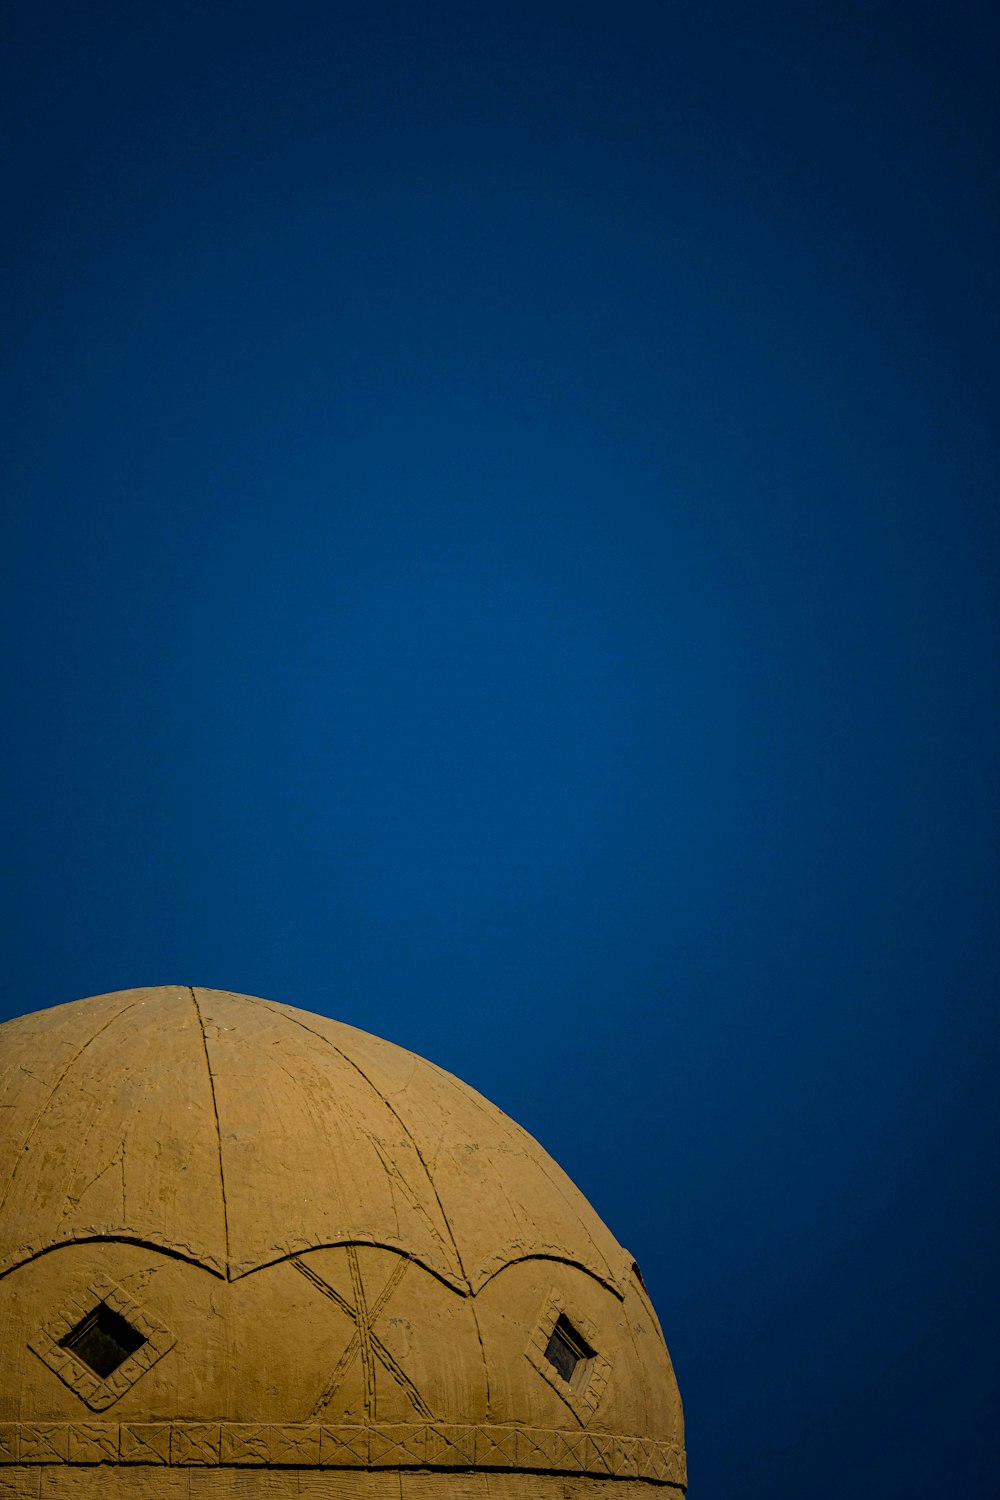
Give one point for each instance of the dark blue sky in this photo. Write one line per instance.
(500, 548)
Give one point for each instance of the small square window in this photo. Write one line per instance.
(103, 1340)
(568, 1351)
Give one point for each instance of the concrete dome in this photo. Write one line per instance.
(249, 1251)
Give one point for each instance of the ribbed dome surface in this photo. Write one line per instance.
(235, 1131)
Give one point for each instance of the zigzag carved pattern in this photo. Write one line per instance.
(441, 1445)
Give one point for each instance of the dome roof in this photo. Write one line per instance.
(226, 1184)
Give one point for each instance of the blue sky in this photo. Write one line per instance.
(501, 527)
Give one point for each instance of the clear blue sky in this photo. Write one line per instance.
(500, 547)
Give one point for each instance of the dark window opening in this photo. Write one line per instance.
(568, 1351)
(103, 1340)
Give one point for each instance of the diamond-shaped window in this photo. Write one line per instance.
(568, 1351)
(103, 1340)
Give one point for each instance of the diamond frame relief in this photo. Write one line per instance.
(582, 1400)
(95, 1392)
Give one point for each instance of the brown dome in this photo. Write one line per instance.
(239, 1236)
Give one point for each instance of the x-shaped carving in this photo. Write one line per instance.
(364, 1341)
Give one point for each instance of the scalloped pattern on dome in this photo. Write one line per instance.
(235, 1132)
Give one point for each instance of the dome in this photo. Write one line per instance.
(245, 1245)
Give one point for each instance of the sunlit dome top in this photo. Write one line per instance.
(235, 1132)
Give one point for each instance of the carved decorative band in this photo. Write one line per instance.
(441, 1445)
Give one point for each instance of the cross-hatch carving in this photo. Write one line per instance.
(364, 1341)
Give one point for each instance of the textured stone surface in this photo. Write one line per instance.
(343, 1262)
(107, 1484)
